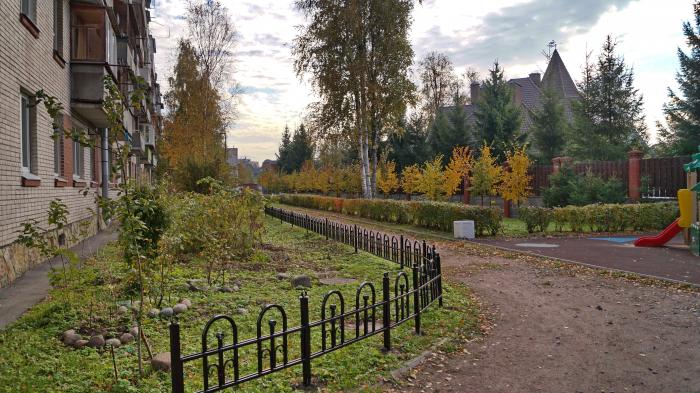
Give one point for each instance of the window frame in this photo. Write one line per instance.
(28, 8)
(78, 161)
(58, 28)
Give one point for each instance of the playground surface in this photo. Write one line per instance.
(673, 262)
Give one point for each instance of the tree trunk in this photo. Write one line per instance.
(364, 167)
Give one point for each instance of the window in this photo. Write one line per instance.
(93, 162)
(28, 131)
(77, 160)
(58, 27)
(29, 9)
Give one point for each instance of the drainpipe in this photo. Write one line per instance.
(105, 162)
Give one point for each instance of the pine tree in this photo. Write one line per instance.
(284, 153)
(549, 127)
(683, 111)
(497, 117)
(608, 118)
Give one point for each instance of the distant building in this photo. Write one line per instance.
(269, 165)
(527, 92)
(232, 156)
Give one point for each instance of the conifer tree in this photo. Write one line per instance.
(497, 117)
(284, 154)
(549, 128)
(301, 148)
(608, 118)
(451, 129)
(683, 110)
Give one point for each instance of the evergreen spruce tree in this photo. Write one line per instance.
(683, 111)
(301, 148)
(549, 128)
(450, 129)
(608, 118)
(284, 153)
(497, 117)
(409, 147)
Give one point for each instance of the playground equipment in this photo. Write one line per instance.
(685, 203)
(689, 213)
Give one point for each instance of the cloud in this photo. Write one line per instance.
(512, 33)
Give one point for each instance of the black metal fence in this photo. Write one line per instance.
(275, 349)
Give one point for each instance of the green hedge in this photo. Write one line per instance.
(434, 215)
(601, 218)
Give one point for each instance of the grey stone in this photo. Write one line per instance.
(113, 342)
(236, 287)
(161, 362)
(187, 302)
(153, 312)
(96, 341)
(134, 331)
(122, 310)
(282, 276)
(301, 281)
(80, 344)
(241, 311)
(126, 338)
(226, 289)
(179, 308)
(71, 338)
(167, 312)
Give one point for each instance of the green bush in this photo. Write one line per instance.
(615, 217)
(567, 188)
(434, 215)
(536, 219)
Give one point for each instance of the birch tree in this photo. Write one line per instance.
(357, 56)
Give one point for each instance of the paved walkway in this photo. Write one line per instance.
(674, 263)
(33, 286)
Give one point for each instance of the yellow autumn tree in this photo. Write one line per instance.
(387, 181)
(515, 181)
(307, 177)
(432, 179)
(485, 175)
(457, 170)
(410, 180)
(323, 180)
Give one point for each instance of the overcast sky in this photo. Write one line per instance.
(472, 33)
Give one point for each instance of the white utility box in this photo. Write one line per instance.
(464, 229)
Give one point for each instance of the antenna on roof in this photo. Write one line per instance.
(548, 53)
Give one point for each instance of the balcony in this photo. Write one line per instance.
(93, 56)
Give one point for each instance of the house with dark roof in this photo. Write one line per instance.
(527, 91)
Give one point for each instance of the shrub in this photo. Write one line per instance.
(536, 219)
(615, 217)
(434, 215)
(566, 188)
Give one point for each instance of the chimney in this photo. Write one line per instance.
(535, 77)
(474, 91)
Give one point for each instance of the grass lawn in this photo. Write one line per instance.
(32, 358)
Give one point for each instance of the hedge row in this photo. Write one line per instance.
(601, 218)
(434, 215)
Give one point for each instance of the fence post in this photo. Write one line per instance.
(177, 377)
(306, 223)
(425, 250)
(386, 312)
(355, 238)
(305, 339)
(401, 252)
(416, 301)
(439, 281)
(634, 177)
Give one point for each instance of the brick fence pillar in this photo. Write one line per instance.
(634, 177)
(559, 162)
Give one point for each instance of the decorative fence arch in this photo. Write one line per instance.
(273, 350)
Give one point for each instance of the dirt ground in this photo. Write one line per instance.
(554, 331)
(563, 329)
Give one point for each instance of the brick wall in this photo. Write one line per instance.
(27, 64)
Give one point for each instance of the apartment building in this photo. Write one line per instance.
(66, 48)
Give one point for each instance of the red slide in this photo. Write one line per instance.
(662, 238)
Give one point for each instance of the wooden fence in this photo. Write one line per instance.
(661, 177)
